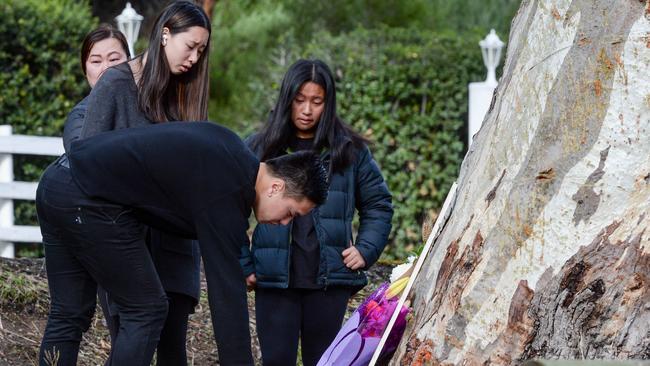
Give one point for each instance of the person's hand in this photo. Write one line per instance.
(251, 282)
(352, 258)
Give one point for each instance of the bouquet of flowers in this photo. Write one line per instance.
(357, 340)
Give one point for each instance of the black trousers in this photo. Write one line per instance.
(89, 242)
(172, 349)
(285, 315)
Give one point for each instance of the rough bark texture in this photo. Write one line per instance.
(547, 251)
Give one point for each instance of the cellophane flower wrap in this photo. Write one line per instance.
(359, 337)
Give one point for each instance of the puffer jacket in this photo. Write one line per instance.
(359, 187)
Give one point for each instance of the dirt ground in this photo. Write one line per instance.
(23, 313)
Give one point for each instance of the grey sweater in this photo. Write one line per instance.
(113, 103)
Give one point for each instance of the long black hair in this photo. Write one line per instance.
(331, 132)
(166, 97)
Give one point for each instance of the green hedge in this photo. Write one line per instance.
(40, 74)
(406, 90)
(39, 54)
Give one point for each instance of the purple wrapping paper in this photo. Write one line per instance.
(359, 337)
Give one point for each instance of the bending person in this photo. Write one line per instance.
(197, 180)
(166, 82)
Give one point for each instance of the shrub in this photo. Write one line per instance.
(39, 54)
(40, 74)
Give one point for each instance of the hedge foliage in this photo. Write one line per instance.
(40, 74)
(246, 32)
(406, 90)
(39, 58)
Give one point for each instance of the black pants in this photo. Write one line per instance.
(89, 242)
(285, 315)
(171, 350)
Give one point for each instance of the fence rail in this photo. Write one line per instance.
(10, 190)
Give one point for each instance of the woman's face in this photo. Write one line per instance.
(104, 54)
(307, 108)
(184, 49)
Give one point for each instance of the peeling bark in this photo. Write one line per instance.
(493, 193)
(602, 291)
(546, 251)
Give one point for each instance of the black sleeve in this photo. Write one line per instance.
(246, 259)
(250, 142)
(74, 123)
(221, 230)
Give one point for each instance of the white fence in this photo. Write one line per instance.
(10, 190)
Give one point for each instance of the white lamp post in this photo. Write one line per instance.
(128, 23)
(480, 94)
(491, 47)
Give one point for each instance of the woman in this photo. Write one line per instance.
(168, 82)
(304, 273)
(177, 260)
(101, 48)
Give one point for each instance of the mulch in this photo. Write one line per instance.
(24, 303)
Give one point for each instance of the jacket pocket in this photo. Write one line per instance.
(271, 264)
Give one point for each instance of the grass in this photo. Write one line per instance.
(18, 290)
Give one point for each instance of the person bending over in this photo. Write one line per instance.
(195, 180)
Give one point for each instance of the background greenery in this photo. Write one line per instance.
(402, 69)
(406, 90)
(40, 77)
(249, 36)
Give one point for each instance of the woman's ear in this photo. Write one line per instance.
(165, 35)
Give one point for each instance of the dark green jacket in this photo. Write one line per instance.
(360, 187)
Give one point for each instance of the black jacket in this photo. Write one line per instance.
(196, 180)
(113, 105)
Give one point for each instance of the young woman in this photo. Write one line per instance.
(304, 273)
(168, 82)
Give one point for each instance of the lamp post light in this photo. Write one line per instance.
(491, 47)
(128, 22)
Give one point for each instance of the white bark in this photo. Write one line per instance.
(547, 252)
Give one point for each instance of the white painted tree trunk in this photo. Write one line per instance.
(547, 251)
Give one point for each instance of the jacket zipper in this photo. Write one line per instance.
(289, 253)
(321, 256)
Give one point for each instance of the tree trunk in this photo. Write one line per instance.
(208, 6)
(547, 251)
